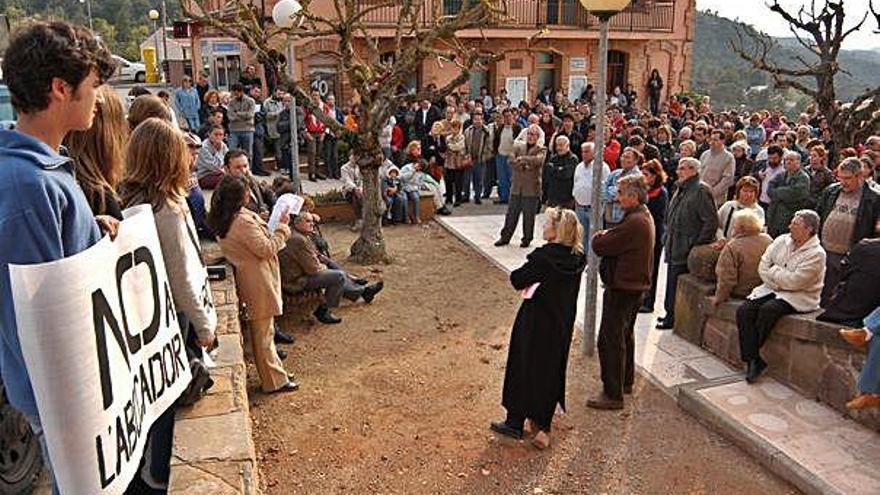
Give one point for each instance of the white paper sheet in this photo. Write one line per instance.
(290, 203)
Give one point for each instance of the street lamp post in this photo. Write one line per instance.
(164, 42)
(286, 14)
(89, 13)
(153, 14)
(604, 10)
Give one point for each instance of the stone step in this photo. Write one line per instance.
(807, 443)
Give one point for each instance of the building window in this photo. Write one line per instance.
(561, 12)
(546, 71)
(617, 70)
(452, 7)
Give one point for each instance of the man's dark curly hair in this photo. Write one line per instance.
(43, 51)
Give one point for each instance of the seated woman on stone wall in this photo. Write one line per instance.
(792, 270)
(737, 267)
(745, 198)
(869, 379)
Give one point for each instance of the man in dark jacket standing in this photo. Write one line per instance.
(558, 177)
(788, 193)
(690, 221)
(627, 252)
(849, 210)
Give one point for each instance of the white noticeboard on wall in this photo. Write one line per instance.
(517, 90)
(576, 86)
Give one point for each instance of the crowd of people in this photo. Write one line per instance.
(791, 219)
(784, 209)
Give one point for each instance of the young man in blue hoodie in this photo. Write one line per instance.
(53, 71)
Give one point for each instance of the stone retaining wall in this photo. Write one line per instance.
(214, 451)
(803, 353)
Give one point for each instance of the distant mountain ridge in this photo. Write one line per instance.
(721, 74)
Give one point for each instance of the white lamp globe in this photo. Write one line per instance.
(286, 14)
(153, 14)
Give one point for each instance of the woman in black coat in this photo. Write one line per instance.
(658, 200)
(534, 381)
(655, 88)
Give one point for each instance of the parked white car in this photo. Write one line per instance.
(130, 71)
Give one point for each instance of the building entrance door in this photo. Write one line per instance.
(226, 70)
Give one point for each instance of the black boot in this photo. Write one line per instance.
(507, 430)
(370, 291)
(282, 337)
(754, 369)
(324, 315)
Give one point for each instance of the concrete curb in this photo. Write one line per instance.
(776, 461)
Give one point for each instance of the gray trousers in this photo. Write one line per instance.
(528, 207)
(336, 284)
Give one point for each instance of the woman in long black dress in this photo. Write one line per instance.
(534, 381)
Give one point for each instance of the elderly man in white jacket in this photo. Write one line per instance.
(793, 270)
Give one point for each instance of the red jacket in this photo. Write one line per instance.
(397, 137)
(313, 124)
(611, 153)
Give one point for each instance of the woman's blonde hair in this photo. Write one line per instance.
(747, 222)
(690, 145)
(569, 231)
(99, 151)
(413, 145)
(157, 165)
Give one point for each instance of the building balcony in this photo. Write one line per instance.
(647, 16)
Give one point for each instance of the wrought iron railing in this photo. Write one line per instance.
(647, 16)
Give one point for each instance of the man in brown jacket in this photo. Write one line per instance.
(525, 190)
(737, 267)
(627, 252)
(302, 269)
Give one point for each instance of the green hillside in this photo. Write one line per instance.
(719, 73)
(123, 24)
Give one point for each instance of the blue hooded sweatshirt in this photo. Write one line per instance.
(44, 216)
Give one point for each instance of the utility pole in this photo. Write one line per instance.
(164, 43)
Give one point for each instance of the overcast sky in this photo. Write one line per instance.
(759, 16)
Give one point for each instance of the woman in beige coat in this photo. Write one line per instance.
(247, 243)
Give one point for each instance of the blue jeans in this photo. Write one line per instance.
(478, 175)
(242, 141)
(869, 380)
(37, 428)
(583, 216)
(503, 172)
(414, 197)
(193, 123)
(396, 204)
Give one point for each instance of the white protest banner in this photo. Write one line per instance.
(104, 351)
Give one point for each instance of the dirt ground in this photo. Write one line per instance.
(398, 399)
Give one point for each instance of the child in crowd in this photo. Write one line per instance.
(392, 191)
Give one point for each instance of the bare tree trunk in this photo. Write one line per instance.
(369, 248)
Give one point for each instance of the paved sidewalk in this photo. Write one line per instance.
(801, 440)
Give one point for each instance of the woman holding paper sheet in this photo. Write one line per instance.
(249, 245)
(157, 173)
(534, 381)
